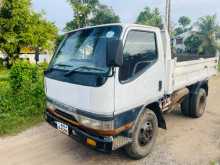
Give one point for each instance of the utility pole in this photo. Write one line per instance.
(168, 15)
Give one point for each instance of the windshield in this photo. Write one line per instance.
(85, 50)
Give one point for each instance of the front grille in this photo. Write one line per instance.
(66, 115)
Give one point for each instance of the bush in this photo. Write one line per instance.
(43, 66)
(4, 76)
(22, 100)
(26, 81)
(23, 74)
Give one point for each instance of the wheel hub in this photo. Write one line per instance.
(146, 133)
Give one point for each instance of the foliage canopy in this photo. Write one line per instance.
(150, 17)
(193, 44)
(90, 13)
(184, 21)
(21, 27)
(208, 29)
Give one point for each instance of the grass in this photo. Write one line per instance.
(11, 124)
(214, 163)
(18, 116)
(4, 74)
(4, 77)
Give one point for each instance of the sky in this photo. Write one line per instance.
(60, 12)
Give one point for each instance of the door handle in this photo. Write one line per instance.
(160, 85)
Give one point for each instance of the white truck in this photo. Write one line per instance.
(108, 86)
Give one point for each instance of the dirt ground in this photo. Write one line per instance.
(187, 141)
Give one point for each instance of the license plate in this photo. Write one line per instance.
(63, 128)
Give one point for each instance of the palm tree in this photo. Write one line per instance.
(150, 17)
(208, 28)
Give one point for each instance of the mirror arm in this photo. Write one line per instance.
(112, 73)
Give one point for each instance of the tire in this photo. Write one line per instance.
(144, 135)
(198, 104)
(185, 109)
(194, 105)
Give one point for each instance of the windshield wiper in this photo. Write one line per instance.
(63, 65)
(91, 68)
(50, 69)
(82, 67)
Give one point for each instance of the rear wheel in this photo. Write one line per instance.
(199, 104)
(194, 105)
(185, 109)
(143, 136)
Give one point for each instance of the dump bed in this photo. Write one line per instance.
(187, 73)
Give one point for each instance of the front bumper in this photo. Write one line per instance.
(103, 144)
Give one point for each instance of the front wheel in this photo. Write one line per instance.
(144, 135)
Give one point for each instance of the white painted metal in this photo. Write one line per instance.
(144, 89)
(168, 62)
(190, 72)
(98, 100)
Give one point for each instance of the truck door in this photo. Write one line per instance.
(141, 78)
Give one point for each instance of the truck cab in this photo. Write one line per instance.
(108, 85)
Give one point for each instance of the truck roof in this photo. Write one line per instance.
(124, 25)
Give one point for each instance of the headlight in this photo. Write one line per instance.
(88, 122)
(96, 124)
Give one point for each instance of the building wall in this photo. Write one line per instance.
(183, 36)
(31, 58)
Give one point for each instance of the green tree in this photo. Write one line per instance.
(103, 15)
(193, 43)
(150, 17)
(208, 28)
(14, 26)
(184, 21)
(90, 13)
(82, 11)
(21, 27)
(178, 31)
(44, 33)
(60, 38)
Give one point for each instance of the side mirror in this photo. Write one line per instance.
(114, 52)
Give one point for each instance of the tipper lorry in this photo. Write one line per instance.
(108, 86)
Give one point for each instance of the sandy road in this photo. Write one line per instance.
(187, 141)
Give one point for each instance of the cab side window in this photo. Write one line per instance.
(140, 52)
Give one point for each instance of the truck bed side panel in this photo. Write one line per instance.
(190, 72)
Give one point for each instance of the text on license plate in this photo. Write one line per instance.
(63, 128)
